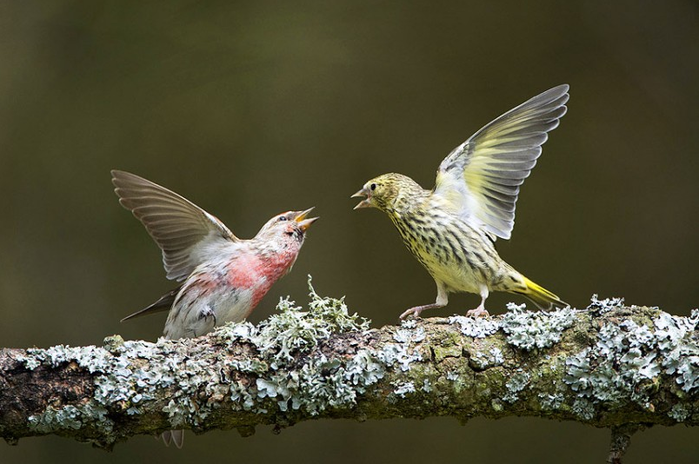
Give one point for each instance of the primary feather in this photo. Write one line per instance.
(481, 178)
(185, 233)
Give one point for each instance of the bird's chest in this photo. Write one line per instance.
(444, 248)
(256, 274)
(223, 291)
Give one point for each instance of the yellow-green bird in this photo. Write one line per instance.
(452, 228)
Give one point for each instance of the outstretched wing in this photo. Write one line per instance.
(184, 232)
(481, 177)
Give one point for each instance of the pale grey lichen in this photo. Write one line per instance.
(242, 397)
(92, 358)
(404, 335)
(280, 371)
(679, 412)
(405, 351)
(606, 305)
(627, 359)
(398, 354)
(317, 384)
(677, 343)
(478, 327)
(550, 401)
(584, 409)
(403, 388)
(516, 384)
(485, 359)
(529, 330)
(363, 369)
(29, 361)
(320, 384)
(71, 417)
(293, 329)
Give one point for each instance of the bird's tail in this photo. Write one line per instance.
(173, 436)
(541, 297)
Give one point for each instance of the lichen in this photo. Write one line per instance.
(408, 335)
(319, 384)
(627, 360)
(122, 377)
(529, 330)
(70, 417)
(284, 365)
(551, 402)
(479, 327)
(403, 388)
(516, 384)
(679, 412)
(584, 409)
(405, 351)
(293, 330)
(606, 305)
(485, 359)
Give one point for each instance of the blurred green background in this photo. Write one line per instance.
(253, 108)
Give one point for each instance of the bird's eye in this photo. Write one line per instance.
(283, 218)
(372, 187)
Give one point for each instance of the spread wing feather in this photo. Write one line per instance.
(183, 231)
(481, 177)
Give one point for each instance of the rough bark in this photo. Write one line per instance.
(609, 365)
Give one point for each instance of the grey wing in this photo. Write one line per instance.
(481, 177)
(183, 231)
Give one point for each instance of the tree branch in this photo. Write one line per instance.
(609, 365)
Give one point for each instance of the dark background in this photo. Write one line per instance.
(250, 109)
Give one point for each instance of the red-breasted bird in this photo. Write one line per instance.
(223, 277)
(452, 228)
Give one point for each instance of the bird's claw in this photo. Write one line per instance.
(414, 312)
(478, 312)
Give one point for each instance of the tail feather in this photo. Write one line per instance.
(173, 436)
(164, 303)
(541, 297)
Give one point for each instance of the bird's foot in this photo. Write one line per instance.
(415, 312)
(478, 312)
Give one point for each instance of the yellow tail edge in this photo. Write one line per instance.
(541, 297)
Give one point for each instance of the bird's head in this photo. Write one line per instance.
(290, 225)
(386, 191)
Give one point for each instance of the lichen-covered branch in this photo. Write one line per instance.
(609, 365)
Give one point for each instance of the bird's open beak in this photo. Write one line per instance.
(302, 221)
(366, 202)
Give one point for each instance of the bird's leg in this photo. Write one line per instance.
(480, 311)
(442, 300)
